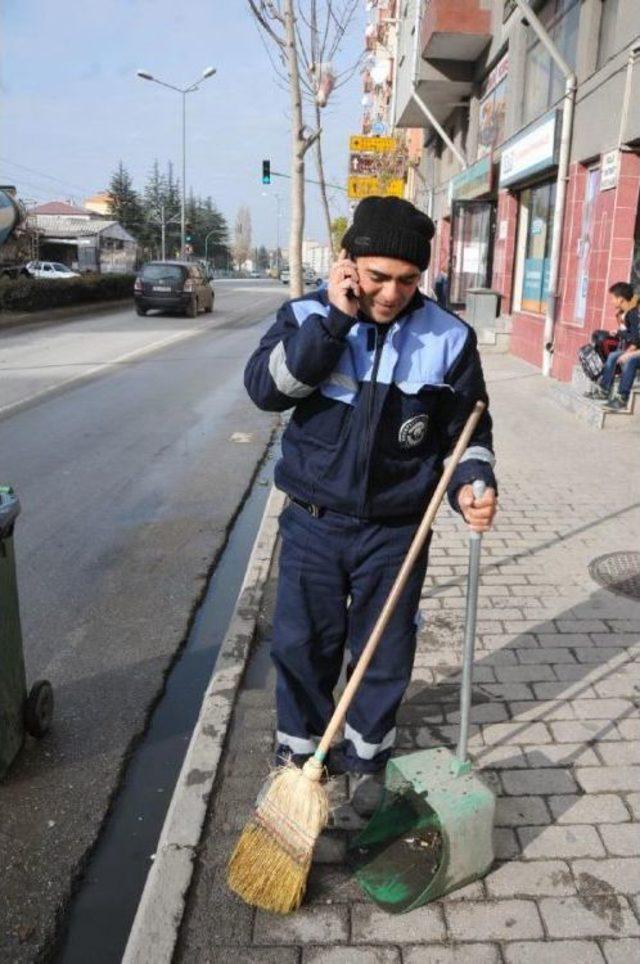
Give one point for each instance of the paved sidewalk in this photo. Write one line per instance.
(555, 728)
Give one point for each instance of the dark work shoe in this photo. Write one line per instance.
(366, 792)
(617, 404)
(597, 394)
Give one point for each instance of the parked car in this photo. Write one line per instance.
(50, 269)
(173, 286)
(285, 276)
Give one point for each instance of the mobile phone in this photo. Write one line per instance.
(351, 295)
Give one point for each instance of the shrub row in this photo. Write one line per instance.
(33, 294)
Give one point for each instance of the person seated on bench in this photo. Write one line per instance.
(626, 302)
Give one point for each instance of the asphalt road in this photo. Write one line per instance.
(131, 444)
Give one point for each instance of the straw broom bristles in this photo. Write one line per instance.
(270, 864)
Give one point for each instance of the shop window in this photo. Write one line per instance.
(493, 108)
(607, 45)
(534, 247)
(544, 82)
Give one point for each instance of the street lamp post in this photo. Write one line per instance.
(208, 72)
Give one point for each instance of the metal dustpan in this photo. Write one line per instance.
(433, 829)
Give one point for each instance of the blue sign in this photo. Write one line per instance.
(379, 128)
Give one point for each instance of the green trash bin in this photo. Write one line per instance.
(19, 712)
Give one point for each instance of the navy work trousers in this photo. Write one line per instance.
(335, 574)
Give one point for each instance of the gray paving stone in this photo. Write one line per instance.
(562, 755)
(622, 840)
(629, 729)
(619, 754)
(621, 951)
(505, 843)
(499, 757)
(592, 808)
(537, 710)
(456, 954)
(518, 811)
(574, 841)
(330, 849)
(509, 691)
(309, 925)
(562, 690)
(370, 925)
(539, 781)
(599, 915)
(633, 802)
(553, 952)
(601, 779)
(578, 731)
(495, 921)
(242, 955)
(620, 685)
(547, 654)
(534, 878)
(516, 732)
(524, 674)
(610, 709)
(620, 873)
(350, 955)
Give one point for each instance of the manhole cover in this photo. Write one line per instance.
(619, 572)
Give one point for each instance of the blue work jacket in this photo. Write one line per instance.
(376, 408)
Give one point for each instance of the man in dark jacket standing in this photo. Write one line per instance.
(380, 381)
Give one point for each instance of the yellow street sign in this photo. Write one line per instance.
(380, 145)
(359, 187)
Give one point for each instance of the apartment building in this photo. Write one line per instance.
(490, 97)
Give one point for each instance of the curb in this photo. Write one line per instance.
(52, 316)
(155, 928)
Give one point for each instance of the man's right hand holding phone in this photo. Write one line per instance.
(344, 286)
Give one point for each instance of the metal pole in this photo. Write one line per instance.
(571, 83)
(473, 578)
(184, 177)
(163, 230)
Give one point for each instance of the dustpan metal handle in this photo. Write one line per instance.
(475, 545)
(387, 610)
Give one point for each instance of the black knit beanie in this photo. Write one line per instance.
(392, 228)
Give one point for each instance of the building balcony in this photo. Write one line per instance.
(455, 29)
(441, 84)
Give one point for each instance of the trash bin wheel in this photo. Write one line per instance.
(38, 711)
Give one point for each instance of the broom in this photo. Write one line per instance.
(270, 864)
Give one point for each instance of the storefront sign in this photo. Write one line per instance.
(474, 182)
(609, 170)
(531, 152)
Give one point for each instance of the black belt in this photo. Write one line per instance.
(314, 510)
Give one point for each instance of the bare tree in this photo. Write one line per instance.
(242, 235)
(327, 27)
(305, 68)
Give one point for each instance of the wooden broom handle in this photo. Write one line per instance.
(387, 610)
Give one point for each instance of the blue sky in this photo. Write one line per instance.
(72, 106)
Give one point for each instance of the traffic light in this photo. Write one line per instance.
(188, 232)
(266, 172)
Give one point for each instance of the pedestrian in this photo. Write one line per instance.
(627, 356)
(380, 381)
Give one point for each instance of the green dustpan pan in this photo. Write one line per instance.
(433, 829)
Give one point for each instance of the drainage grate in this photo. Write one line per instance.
(619, 572)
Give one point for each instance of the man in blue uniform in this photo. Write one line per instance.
(380, 381)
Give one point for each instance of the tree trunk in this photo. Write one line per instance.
(323, 186)
(298, 149)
